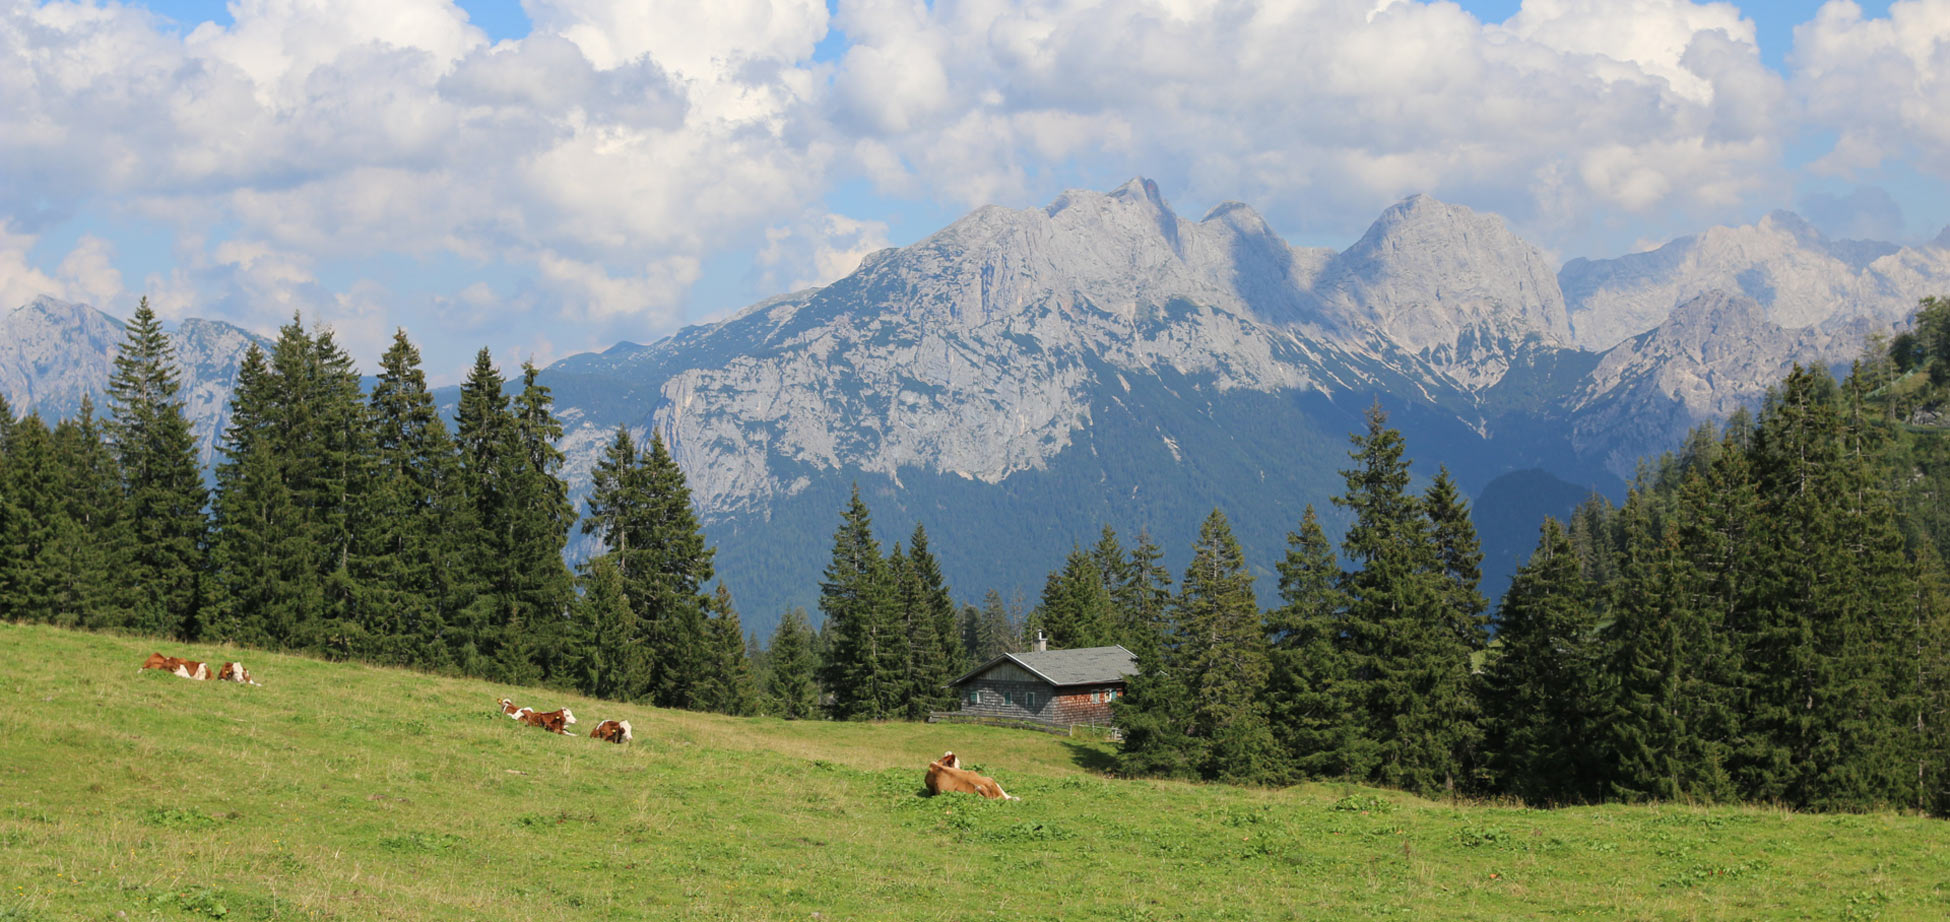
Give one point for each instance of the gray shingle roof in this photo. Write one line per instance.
(1085, 666)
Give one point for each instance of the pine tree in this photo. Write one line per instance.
(864, 663)
(1157, 711)
(1142, 599)
(727, 686)
(484, 432)
(668, 583)
(1224, 657)
(415, 512)
(793, 687)
(260, 553)
(1655, 747)
(992, 631)
(1541, 701)
(164, 563)
(612, 656)
(1304, 691)
(1076, 610)
(84, 590)
(539, 583)
(1408, 669)
(934, 647)
(27, 562)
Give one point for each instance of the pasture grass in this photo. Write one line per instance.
(349, 792)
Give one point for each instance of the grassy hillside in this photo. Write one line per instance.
(347, 792)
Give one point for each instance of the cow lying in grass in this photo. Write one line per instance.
(612, 731)
(946, 776)
(191, 669)
(552, 721)
(188, 669)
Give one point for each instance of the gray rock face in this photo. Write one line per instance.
(1799, 277)
(1452, 286)
(1714, 354)
(53, 352)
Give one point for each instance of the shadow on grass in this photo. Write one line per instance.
(1092, 757)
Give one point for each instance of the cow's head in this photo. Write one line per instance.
(626, 731)
(568, 717)
(950, 759)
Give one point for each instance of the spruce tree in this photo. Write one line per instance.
(28, 573)
(1224, 657)
(164, 561)
(260, 550)
(612, 657)
(1076, 610)
(669, 580)
(1542, 704)
(84, 590)
(727, 686)
(934, 647)
(484, 432)
(1142, 599)
(538, 581)
(414, 515)
(1408, 669)
(1304, 695)
(864, 664)
(1654, 746)
(793, 684)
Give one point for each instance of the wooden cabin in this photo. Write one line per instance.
(1055, 688)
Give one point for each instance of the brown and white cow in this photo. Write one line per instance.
(235, 672)
(552, 721)
(946, 776)
(188, 669)
(612, 731)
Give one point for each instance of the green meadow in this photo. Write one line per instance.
(341, 791)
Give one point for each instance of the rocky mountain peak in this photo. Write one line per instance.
(1456, 287)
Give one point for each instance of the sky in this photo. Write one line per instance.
(545, 177)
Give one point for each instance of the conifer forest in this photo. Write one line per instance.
(1765, 618)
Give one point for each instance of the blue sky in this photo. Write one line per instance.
(554, 176)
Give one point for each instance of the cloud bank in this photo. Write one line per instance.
(596, 166)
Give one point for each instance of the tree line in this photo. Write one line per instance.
(1764, 619)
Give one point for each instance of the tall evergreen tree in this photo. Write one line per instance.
(1143, 598)
(484, 431)
(84, 591)
(538, 583)
(793, 683)
(260, 550)
(1224, 657)
(611, 654)
(28, 560)
(726, 686)
(1541, 700)
(669, 579)
(863, 668)
(1076, 610)
(928, 615)
(1309, 716)
(415, 512)
(167, 528)
(1408, 670)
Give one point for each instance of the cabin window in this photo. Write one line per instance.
(1029, 700)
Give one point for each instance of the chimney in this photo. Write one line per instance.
(1042, 644)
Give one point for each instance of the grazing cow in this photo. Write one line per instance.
(235, 672)
(612, 731)
(946, 778)
(188, 669)
(552, 721)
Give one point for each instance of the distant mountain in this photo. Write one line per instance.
(1022, 377)
(52, 352)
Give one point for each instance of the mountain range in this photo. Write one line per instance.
(1022, 378)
